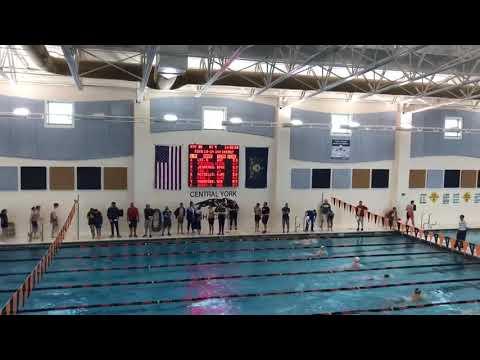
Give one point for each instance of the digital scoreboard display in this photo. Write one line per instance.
(213, 165)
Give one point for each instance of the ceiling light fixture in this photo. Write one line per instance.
(296, 122)
(21, 112)
(236, 120)
(170, 117)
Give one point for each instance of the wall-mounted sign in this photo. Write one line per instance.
(434, 197)
(423, 198)
(213, 165)
(476, 198)
(340, 149)
(446, 199)
(467, 197)
(456, 199)
(213, 194)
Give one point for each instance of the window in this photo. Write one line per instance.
(453, 123)
(59, 114)
(339, 120)
(213, 118)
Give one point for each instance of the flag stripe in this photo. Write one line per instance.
(168, 164)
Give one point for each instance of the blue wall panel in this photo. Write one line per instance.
(314, 144)
(300, 178)
(434, 144)
(341, 178)
(88, 139)
(8, 178)
(190, 109)
(434, 179)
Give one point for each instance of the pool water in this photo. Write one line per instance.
(228, 277)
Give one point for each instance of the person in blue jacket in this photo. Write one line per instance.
(113, 214)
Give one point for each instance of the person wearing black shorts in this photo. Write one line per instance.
(257, 211)
(461, 233)
(265, 216)
(233, 214)
(286, 218)
(221, 214)
(211, 219)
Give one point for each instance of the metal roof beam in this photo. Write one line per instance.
(149, 56)
(357, 73)
(224, 67)
(71, 57)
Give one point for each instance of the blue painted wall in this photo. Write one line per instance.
(88, 139)
(434, 144)
(191, 108)
(314, 144)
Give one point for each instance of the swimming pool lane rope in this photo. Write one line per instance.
(247, 295)
(239, 277)
(308, 258)
(213, 251)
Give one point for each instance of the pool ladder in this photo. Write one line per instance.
(427, 225)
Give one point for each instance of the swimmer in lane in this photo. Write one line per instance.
(416, 295)
(322, 252)
(356, 263)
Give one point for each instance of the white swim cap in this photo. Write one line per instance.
(357, 259)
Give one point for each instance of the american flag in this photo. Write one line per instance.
(168, 167)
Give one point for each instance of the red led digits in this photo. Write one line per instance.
(213, 165)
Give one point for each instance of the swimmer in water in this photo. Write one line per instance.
(417, 295)
(356, 263)
(322, 252)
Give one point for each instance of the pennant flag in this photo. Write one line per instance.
(383, 221)
(436, 237)
(472, 248)
(408, 228)
(376, 218)
(368, 215)
(168, 167)
(334, 201)
(344, 205)
(465, 246)
(14, 302)
(416, 232)
(256, 166)
(350, 207)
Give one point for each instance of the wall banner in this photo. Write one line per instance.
(340, 149)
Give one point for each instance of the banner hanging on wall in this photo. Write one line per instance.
(256, 162)
(340, 149)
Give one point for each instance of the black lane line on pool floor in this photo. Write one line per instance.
(399, 308)
(212, 251)
(308, 258)
(247, 295)
(236, 277)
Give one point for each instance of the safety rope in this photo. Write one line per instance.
(18, 298)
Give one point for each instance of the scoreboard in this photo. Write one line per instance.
(213, 165)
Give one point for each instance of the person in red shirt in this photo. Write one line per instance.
(132, 218)
(360, 214)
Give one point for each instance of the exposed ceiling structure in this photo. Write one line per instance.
(420, 75)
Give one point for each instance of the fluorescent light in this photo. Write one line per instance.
(170, 117)
(21, 112)
(406, 126)
(296, 122)
(236, 120)
(354, 124)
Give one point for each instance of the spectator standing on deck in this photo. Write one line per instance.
(148, 215)
(190, 217)
(4, 222)
(98, 221)
(410, 213)
(180, 215)
(461, 232)
(34, 218)
(91, 221)
(233, 214)
(257, 212)
(113, 214)
(133, 218)
(211, 219)
(167, 220)
(265, 216)
(360, 215)
(392, 217)
(54, 220)
(286, 218)
(330, 217)
(221, 212)
(197, 220)
(325, 209)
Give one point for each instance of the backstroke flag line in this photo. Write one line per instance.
(168, 167)
(256, 162)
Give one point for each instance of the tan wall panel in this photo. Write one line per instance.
(62, 178)
(468, 179)
(417, 179)
(360, 178)
(115, 178)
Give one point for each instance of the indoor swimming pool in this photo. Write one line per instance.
(263, 276)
